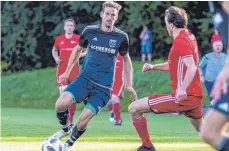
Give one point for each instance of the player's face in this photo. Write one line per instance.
(218, 46)
(69, 27)
(169, 27)
(109, 15)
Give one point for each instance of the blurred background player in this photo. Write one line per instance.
(182, 66)
(212, 63)
(61, 52)
(95, 82)
(146, 44)
(216, 121)
(117, 93)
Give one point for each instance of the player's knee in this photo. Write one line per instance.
(60, 105)
(64, 101)
(132, 108)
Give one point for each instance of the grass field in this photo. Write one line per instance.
(38, 88)
(25, 129)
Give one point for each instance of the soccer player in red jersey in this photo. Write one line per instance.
(182, 66)
(61, 52)
(215, 124)
(117, 93)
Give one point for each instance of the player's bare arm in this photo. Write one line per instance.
(189, 75)
(55, 55)
(161, 67)
(72, 60)
(128, 69)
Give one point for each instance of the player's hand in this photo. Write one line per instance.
(63, 77)
(58, 60)
(219, 87)
(181, 95)
(147, 67)
(133, 93)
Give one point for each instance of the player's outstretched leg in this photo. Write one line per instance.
(137, 110)
(212, 131)
(80, 128)
(62, 105)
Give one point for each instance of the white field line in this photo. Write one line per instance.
(78, 146)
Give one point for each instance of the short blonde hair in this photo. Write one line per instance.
(69, 20)
(112, 4)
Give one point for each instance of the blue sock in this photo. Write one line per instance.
(224, 144)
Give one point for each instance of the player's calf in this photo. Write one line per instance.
(76, 133)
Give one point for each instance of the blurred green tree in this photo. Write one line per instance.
(29, 28)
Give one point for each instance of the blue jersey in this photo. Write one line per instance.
(212, 65)
(102, 50)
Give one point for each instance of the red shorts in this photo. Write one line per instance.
(118, 88)
(72, 76)
(166, 103)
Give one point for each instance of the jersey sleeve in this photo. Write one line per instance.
(56, 43)
(124, 47)
(83, 42)
(203, 62)
(183, 48)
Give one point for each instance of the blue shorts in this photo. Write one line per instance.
(146, 49)
(222, 105)
(82, 89)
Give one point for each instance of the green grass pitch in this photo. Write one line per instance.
(25, 129)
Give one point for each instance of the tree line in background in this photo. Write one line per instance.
(29, 28)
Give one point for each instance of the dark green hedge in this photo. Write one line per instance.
(29, 28)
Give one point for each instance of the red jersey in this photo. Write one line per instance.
(65, 47)
(119, 69)
(184, 45)
(119, 77)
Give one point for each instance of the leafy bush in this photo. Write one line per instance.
(29, 28)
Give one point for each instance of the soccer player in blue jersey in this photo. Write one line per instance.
(95, 82)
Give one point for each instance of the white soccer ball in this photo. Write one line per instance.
(51, 144)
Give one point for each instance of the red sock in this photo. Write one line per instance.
(117, 112)
(72, 110)
(110, 107)
(142, 129)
